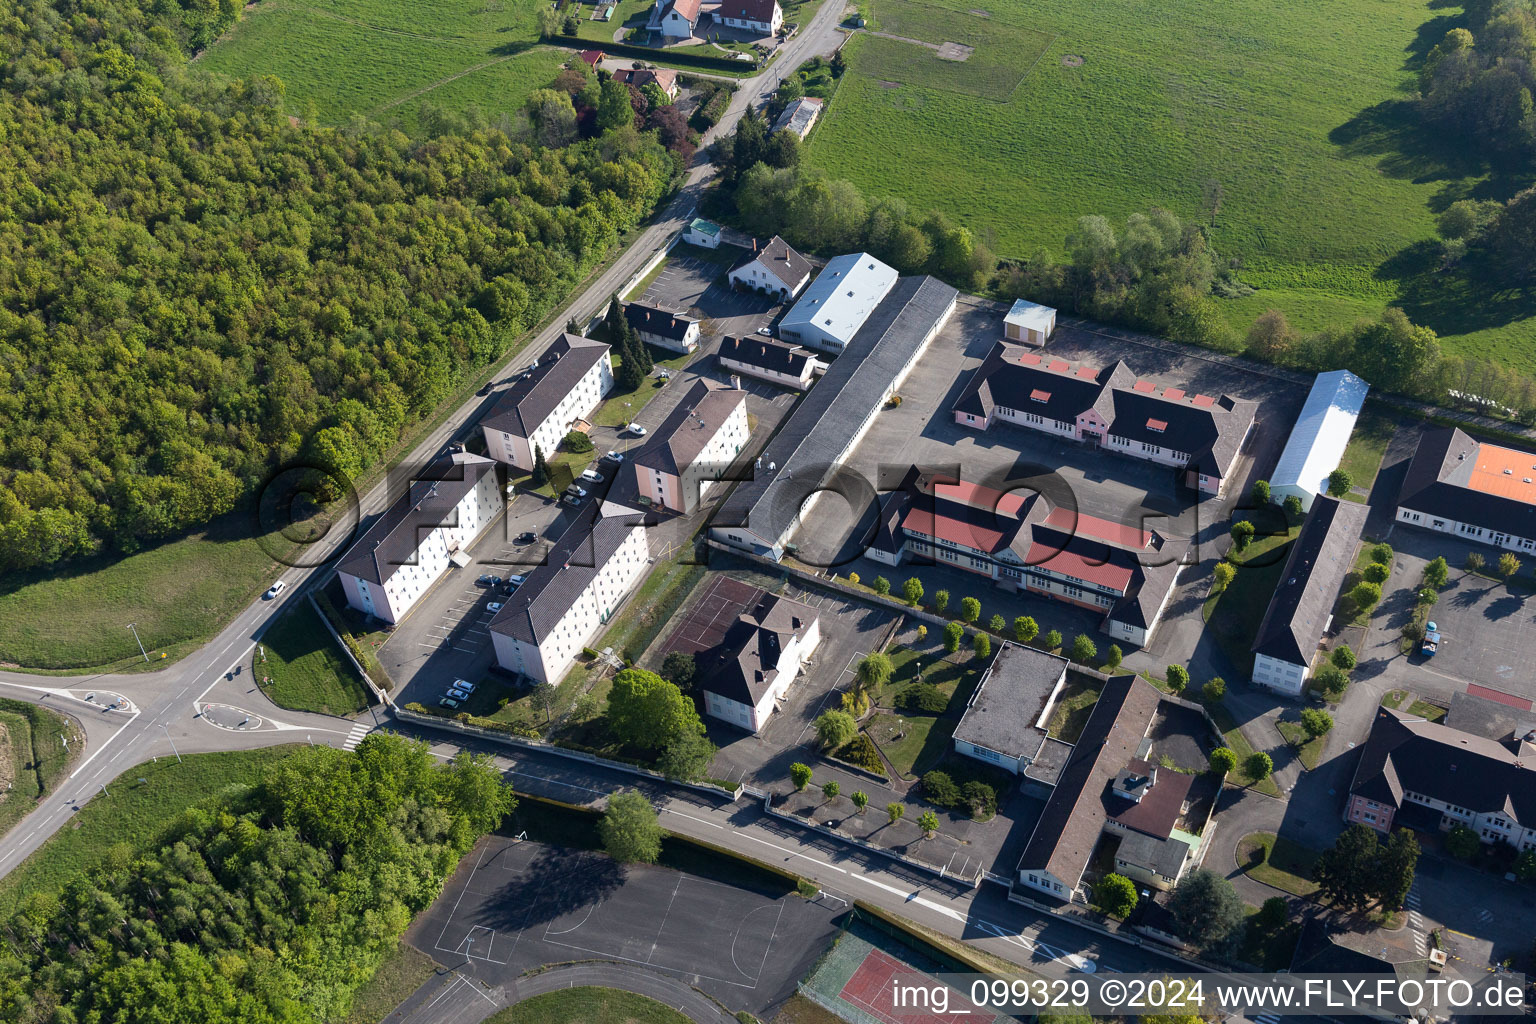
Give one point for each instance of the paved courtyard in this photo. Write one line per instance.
(693, 281)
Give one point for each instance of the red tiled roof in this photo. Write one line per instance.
(1030, 359)
(1059, 366)
(1070, 563)
(591, 56)
(1157, 425)
(1007, 503)
(925, 523)
(1087, 372)
(1500, 696)
(1081, 525)
(1204, 401)
(1173, 394)
(1145, 386)
(687, 8)
(1040, 396)
(1158, 811)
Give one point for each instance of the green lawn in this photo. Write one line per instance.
(1233, 615)
(946, 673)
(1394, 698)
(400, 973)
(131, 814)
(1270, 951)
(1424, 709)
(1239, 745)
(588, 1006)
(1310, 750)
(1073, 708)
(34, 756)
(76, 618)
(300, 666)
(1326, 182)
(1286, 865)
(1368, 445)
(913, 743)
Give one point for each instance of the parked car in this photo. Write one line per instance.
(447, 702)
(487, 580)
(765, 332)
(1430, 627)
(493, 607)
(615, 456)
(576, 491)
(516, 580)
(485, 388)
(274, 590)
(664, 373)
(591, 476)
(637, 430)
(526, 537)
(571, 500)
(464, 684)
(458, 694)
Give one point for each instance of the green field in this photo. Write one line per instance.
(1326, 183)
(137, 806)
(300, 666)
(34, 756)
(385, 59)
(175, 594)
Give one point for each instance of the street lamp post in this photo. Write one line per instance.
(140, 642)
(168, 736)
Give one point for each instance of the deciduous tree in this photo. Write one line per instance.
(630, 830)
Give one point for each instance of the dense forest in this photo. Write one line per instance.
(195, 286)
(273, 906)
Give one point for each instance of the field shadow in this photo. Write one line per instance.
(1459, 300)
(1394, 131)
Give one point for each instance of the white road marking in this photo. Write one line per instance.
(105, 745)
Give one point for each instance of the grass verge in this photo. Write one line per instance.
(1239, 745)
(399, 974)
(1073, 708)
(1286, 865)
(1308, 748)
(299, 667)
(136, 808)
(35, 756)
(589, 1005)
(1424, 709)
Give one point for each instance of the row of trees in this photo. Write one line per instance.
(208, 289)
(635, 362)
(274, 904)
(1476, 83)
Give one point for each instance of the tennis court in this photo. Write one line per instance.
(712, 613)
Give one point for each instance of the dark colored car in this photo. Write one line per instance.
(526, 537)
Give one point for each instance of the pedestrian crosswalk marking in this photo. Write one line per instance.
(356, 735)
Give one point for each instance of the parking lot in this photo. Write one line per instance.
(696, 285)
(1487, 628)
(445, 635)
(518, 905)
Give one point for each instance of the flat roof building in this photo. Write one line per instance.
(1302, 606)
(1029, 323)
(1317, 442)
(838, 302)
(762, 513)
(1005, 723)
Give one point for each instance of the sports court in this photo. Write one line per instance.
(704, 625)
(856, 980)
(522, 904)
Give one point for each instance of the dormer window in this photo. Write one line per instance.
(1039, 396)
(1157, 426)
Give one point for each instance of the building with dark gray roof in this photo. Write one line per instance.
(760, 656)
(1471, 489)
(447, 505)
(775, 268)
(1422, 774)
(1302, 606)
(693, 448)
(547, 400)
(774, 361)
(563, 603)
(662, 327)
(1005, 723)
(1200, 434)
(762, 513)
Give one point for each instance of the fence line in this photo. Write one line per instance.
(381, 695)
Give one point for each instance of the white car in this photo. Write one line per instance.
(615, 456)
(765, 332)
(274, 590)
(447, 702)
(637, 430)
(464, 684)
(592, 476)
(493, 607)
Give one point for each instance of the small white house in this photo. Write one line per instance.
(1029, 323)
(674, 19)
(761, 655)
(755, 356)
(800, 116)
(703, 233)
(775, 269)
(764, 17)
